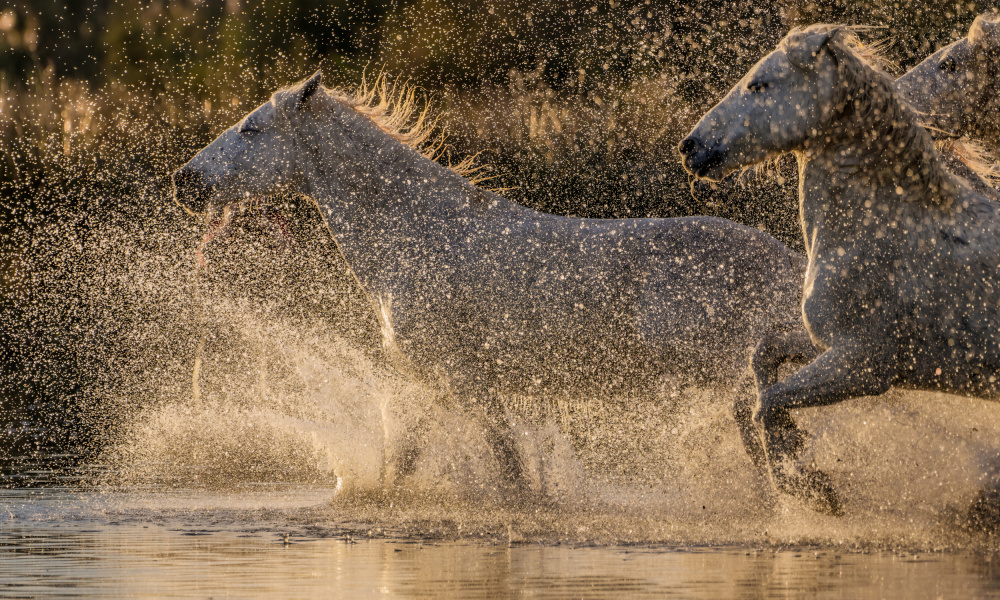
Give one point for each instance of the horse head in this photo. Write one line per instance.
(777, 105)
(956, 86)
(255, 157)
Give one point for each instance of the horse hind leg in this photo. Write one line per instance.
(500, 438)
(773, 350)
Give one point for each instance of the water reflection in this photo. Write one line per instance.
(59, 543)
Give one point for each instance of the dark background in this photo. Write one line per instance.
(575, 106)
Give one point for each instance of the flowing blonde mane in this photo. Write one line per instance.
(395, 108)
(872, 54)
(973, 154)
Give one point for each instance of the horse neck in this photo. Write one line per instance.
(390, 207)
(871, 163)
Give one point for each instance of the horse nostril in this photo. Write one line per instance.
(687, 145)
(186, 177)
(190, 189)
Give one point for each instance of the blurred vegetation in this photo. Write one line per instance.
(576, 105)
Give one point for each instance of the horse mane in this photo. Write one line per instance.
(395, 108)
(867, 95)
(874, 54)
(974, 155)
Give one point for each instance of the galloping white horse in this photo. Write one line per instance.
(935, 87)
(903, 283)
(490, 295)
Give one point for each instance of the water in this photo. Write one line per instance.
(305, 466)
(268, 543)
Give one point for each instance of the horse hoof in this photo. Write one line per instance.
(814, 488)
(823, 493)
(984, 513)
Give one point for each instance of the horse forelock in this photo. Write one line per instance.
(395, 109)
(872, 54)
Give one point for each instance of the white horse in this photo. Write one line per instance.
(933, 88)
(903, 283)
(958, 87)
(489, 295)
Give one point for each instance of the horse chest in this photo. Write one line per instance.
(846, 294)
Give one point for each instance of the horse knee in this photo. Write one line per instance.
(776, 347)
(766, 354)
(769, 414)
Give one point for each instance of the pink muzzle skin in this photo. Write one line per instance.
(269, 219)
(216, 227)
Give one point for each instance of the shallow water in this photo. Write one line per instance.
(59, 542)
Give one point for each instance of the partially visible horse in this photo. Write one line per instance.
(491, 296)
(957, 89)
(960, 157)
(903, 283)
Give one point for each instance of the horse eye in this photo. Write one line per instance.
(948, 65)
(757, 86)
(249, 127)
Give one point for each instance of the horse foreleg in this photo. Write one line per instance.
(836, 375)
(500, 438)
(773, 350)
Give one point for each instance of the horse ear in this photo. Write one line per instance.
(985, 32)
(804, 51)
(308, 89)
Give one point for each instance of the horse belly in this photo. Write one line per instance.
(506, 342)
(952, 347)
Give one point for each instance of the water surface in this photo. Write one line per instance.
(61, 542)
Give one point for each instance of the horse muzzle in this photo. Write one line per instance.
(191, 191)
(701, 160)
